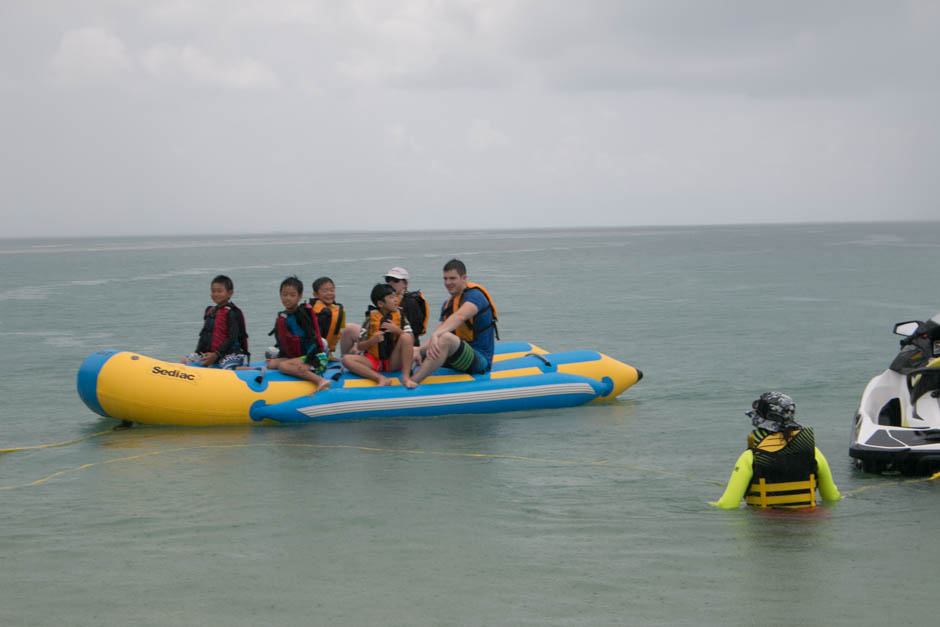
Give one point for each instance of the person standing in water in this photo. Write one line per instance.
(781, 468)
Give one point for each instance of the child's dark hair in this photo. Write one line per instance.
(224, 281)
(456, 264)
(380, 291)
(294, 282)
(323, 280)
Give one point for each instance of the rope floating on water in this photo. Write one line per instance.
(544, 460)
(56, 445)
(522, 458)
(935, 475)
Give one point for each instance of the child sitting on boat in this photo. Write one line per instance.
(413, 304)
(386, 340)
(331, 317)
(223, 340)
(300, 349)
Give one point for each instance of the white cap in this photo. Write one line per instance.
(397, 273)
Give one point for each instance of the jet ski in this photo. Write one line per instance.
(897, 425)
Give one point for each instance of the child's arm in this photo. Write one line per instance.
(827, 487)
(364, 342)
(737, 484)
(390, 327)
(364, 345)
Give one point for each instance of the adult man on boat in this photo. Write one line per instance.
(466, 335)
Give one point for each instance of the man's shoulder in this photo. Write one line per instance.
(477, 297)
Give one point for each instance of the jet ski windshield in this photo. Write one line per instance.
(920, 347)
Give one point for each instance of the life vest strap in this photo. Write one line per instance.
(802, 493)
(468, 331)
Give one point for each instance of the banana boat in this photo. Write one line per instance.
(136, 388)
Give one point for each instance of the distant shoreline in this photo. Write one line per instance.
(222, 239)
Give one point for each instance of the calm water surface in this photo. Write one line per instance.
(589, 516)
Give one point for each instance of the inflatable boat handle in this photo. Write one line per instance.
(540, 357)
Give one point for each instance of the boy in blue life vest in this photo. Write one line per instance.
(781, 468)
(223, 340)
(465, 338)
(331, 317)
(386, 340)
(299, 346)
(413, 304)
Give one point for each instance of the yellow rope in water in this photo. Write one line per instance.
(935, 475)
(57, 444)
(564, 462)
(544, 460)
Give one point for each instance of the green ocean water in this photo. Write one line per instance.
(595, 515)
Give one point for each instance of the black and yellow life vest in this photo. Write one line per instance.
(416, 309)
(384, 349)
(469, 330)
(784, 472)
(331, 331)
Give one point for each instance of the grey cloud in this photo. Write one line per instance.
(258, 116)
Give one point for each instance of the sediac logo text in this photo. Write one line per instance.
(174, 373)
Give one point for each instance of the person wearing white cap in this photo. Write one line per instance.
(413, 304)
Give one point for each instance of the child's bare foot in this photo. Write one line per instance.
(324, 384)
(408, 383)
(383, 381)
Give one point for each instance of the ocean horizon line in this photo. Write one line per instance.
(579, 228)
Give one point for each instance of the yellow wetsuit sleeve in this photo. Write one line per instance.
(827, 487)
(737, 484)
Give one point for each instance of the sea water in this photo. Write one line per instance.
(595, 515)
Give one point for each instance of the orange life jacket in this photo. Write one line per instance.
(332, 331)
(468, 330)
(384, 349)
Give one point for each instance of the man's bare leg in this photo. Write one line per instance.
(447, 345)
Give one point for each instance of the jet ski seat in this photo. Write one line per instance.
(890, 414)
(924, 382)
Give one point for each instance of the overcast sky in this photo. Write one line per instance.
(194, 116)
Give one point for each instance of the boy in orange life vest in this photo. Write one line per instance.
(298, 337)
(222, 340)
(331, 317)
(386, 340)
